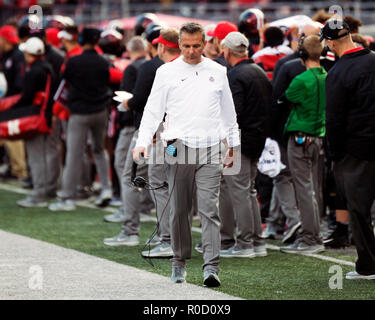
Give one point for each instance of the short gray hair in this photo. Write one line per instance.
(191, 28)
(137, 44)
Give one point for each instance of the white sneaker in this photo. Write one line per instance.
(353, 275)
(260, 251)
(122, 239)
(30, 202)
(67, 205)
(117, 217)
(104, 198)
(163, 250)
(235, 252)
(154, 241)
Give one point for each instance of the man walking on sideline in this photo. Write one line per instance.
(194, 93)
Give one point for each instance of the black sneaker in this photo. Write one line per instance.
(338, 238)
(27, 183)
(291, 234)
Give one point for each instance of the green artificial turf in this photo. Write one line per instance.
(277, 276)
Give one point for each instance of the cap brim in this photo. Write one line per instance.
(211, 33)
(156, 41)
(22, 47)
(64, 35)
(322, 38)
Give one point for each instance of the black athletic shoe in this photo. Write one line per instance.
(290, 235)
(338, 238)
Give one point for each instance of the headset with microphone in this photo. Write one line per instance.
(140, 182)
(301, 51)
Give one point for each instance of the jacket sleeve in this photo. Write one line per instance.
(297, 91)
(237, 92)
(279, 109)
(32, 80)
(19, 72)
(228, 115)
(142, 88)
(129, 78)
(336, 115)
(67, 74)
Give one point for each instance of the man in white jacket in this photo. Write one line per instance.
(194, 93)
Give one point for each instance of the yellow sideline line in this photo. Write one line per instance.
(144, 218)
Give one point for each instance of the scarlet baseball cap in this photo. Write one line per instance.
(167, 43)
(9, 33)
(52, 36)
(222, 29)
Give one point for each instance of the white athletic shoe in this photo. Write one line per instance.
(353, 275)
(67, 205)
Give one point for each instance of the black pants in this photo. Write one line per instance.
(356, 182)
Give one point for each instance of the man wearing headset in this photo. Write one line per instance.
(351, 137)
(305, 128)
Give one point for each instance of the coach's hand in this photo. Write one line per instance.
(139, 152)
(229, 158)
(125, 105)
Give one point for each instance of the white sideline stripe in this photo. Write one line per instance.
(145, 218)
(317, 256)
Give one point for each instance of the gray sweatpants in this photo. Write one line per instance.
(227, 216)
(43, 157)
(303, 163)
(129, 194)
(182, 176)
(157, 175)
(283, 197)
(121, 153)
(79, 126)
(241, 193)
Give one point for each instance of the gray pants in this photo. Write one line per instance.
(122, 148)
(121, 153)
(303, 163)
(227, 216)
(43, 156)
(241, 193)
(157, 175)
(283, 201)
(79, 126)
(182, 176)
(130, 195)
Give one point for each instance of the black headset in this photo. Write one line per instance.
(301, 51)
(140, 182)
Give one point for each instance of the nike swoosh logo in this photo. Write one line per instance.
(183, 79)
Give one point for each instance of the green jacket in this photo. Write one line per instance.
(309, 104)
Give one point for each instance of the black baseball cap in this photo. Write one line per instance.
(333, 30)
